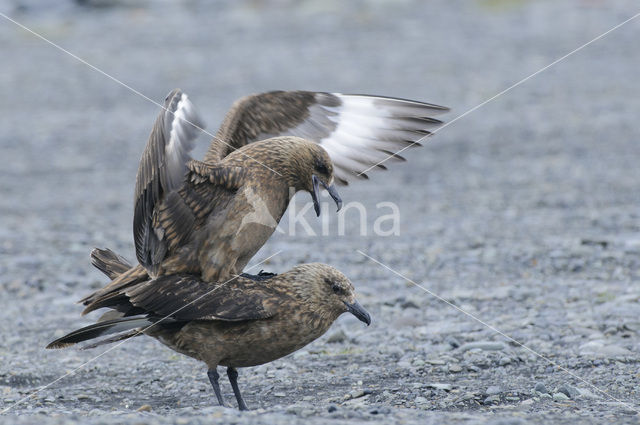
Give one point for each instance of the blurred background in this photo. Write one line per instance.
(536, 191)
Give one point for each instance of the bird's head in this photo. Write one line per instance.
(314, 169)
(328, 288)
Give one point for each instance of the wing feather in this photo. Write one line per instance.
(357, 131)
(161, 171)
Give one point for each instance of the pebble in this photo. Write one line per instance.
(504, 361)
(421, 400)
(455, 368)
(560, 397)
(453, 342)
(491, 399)
(438, 386)
(570, 391)
(541, 388)
(483, 345)
(603, 350)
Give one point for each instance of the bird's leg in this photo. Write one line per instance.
(213, 377)
(232, 373)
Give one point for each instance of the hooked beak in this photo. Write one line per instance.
(357, 310)
(330, 188)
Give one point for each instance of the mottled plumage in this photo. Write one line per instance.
(238, 323)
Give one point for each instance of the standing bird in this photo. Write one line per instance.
(238, 323)
(210, 217)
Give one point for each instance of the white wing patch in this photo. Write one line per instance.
(370, 129)
(185, 124)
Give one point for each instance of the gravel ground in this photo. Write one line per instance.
(524, 213)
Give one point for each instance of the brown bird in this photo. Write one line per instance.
(209, 218)
(238, 323)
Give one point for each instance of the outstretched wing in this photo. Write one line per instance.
(161, 171)
(357, 131)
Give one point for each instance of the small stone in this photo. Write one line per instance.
(279, 395)
(144, 408)
(600, 349)
(453, 342)
(504, 361)
(584, 393)
(491, 399)
(455, 368)
(409, 304)
(421, 400)
(483, 345)
(438, 386)
(358, 393)
(569, 391)
(560, 397)
(541, 388)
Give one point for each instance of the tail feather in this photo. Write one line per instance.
(109, 263)
(100, 329)
(112, 339)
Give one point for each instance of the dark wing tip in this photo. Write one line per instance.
(59, 344)
(407, 102)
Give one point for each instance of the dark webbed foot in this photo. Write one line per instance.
(260, 276)
(233, 378)
(213, 377)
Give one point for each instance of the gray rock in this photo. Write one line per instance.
(492, 399)
(569, 390)
(421, 400)
(440, 386)
(453, 342)
(541, 388)
(455, 368)
(483, 345)
(603, 350)
(560, 396)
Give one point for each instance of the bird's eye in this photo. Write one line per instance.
(336, 289)
(322, 168)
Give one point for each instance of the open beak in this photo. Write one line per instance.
(357, 310)
(330, 188)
